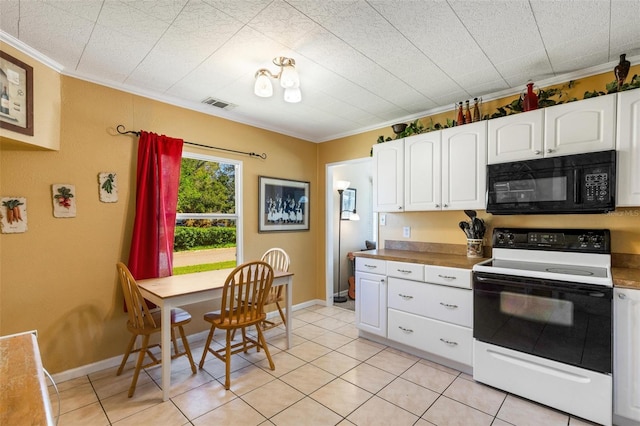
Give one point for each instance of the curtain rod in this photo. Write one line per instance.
(122, 130)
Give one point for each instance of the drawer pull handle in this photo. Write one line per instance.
(370, 266)
(405, 296)
(448, 342)
(447, 305)
(447, 277)
(406, 330)
(404, 271)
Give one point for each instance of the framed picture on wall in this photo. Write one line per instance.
(283, 205)
(16, 95)
(348, 203)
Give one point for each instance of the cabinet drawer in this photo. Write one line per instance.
(455, 277)
(375, 266)
(410, 271)
(446, 340)
(448, 304)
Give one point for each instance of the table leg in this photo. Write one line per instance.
(288, 314)
(166, 351)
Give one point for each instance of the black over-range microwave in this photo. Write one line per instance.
(580, 183)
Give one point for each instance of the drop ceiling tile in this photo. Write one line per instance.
(112, 55)
(9, 17)
(129, 21)
(54, 32)
(492, 23)
(164, 10)
(86, 9)
(625, 30)
(244, 10)
(320, 11)
(283, 23)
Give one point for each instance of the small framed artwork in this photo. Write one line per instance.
(16, 95)
(348, 203)
(13, 215)
(108, 187)
(64, 200)
(284, 205)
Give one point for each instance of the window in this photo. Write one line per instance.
(208, 221)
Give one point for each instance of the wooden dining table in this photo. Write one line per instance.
(180, 290)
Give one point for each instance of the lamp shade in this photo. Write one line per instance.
(292, 95)
(263, 86)
(289, 78)
(341, 185)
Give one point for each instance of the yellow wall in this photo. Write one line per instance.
(46, 108)
(60, 278)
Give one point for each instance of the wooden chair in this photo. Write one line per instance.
(144, 323)
(242, 306)
(279, 261)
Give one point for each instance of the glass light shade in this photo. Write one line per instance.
(341, 185)
(292, 95)
(263, 86)
(289, 77)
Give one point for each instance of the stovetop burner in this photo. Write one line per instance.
(577, 255)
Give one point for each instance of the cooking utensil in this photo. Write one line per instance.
(465, 228)
(471, 214)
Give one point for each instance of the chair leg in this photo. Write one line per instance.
(125, 357)
(136, 373)
(263, 343)
(187, 350)
(176, 351)
(284, 320)
(206, 346)
(227, 362)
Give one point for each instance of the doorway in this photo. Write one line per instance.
(349, 235)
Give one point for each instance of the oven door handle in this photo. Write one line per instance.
(593, 290)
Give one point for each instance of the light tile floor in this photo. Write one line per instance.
(328, 377)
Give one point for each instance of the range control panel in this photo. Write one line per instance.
(574, 240)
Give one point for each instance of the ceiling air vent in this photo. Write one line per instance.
(219, 103)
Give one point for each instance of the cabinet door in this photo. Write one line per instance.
(371, 303)
(422, 176)
(578, 127)
(626, 364)
(515, 137)
(388, 176)
(628, 146)
(464, 163)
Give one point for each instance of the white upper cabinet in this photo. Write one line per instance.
(422, 172)
(628, 146)
(516, 137)
(578, 127)
(388, 176)
(464, 161)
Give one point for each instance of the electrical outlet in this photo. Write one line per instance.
(383, 219)
(406, 231)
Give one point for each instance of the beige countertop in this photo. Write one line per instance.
(24, 397)
(623, 277)
(426, 258)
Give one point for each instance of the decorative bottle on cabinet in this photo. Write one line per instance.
(467, 113)
(530, 101)
(460, 115)
(622, 70)
(476, 110)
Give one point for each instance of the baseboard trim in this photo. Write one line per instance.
(87, 369)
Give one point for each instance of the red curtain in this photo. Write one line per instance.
(158, 178)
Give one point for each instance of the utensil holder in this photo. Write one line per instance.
(474, 247)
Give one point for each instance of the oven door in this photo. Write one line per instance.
(566, 322)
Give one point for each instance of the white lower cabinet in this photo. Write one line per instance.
(439, 338)
(401, 306)
(626, 364)
(371, 300)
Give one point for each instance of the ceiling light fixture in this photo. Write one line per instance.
(288, 77)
